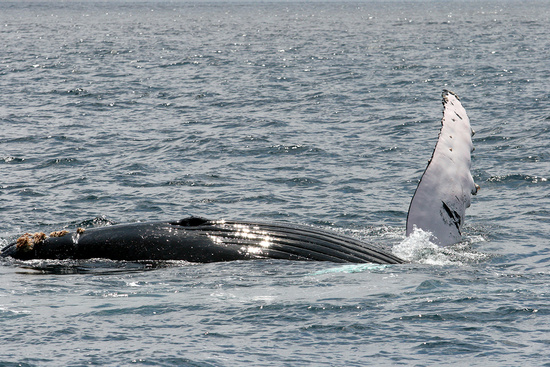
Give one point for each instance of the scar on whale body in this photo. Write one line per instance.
(438, 206)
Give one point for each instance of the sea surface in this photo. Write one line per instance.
(317, 113)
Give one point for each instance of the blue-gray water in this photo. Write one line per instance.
(317, 113)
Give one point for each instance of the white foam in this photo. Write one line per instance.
(354, 268)
(417, 248)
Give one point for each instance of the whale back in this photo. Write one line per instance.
(443, 194)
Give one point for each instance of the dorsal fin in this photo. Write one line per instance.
(444, 191)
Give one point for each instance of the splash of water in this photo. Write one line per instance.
(417, 248)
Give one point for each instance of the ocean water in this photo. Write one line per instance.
(320, 113)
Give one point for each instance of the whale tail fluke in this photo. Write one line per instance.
(443, 194)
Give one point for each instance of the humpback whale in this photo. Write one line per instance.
(438, 206)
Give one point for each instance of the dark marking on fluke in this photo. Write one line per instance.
(447, 180)
(453, 215)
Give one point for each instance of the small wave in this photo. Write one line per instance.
(4, 309)
(297, 181)
(61, 162)
(517, 178)
(418, 248)
(88, 266)
(348, 269)
(100, 221)
(11, 159)
(296, 149)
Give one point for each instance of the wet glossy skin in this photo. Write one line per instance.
(199, 240)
